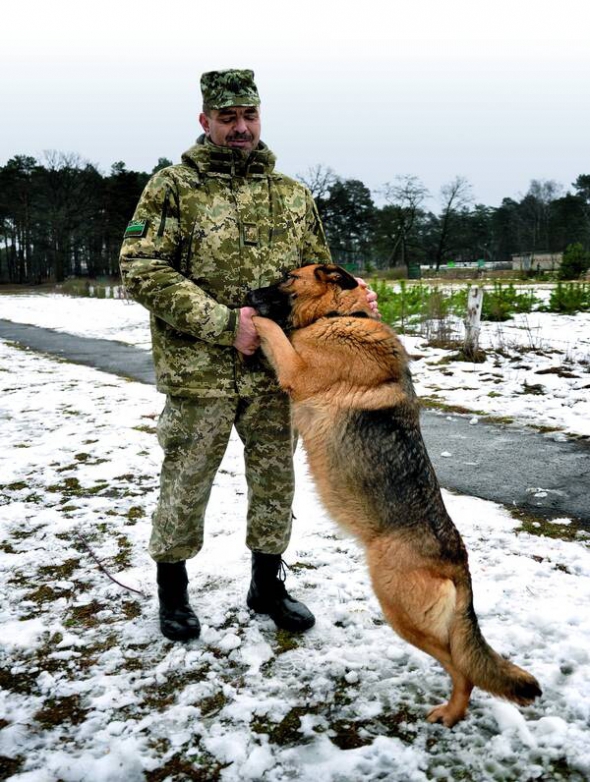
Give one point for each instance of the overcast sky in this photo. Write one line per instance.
(493, 91)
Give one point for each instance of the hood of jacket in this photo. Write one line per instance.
(209, 158)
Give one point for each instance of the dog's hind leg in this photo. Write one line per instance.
(456, 708)
(420, 607)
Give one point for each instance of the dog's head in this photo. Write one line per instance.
(309, 293)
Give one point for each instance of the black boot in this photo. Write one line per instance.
(267, 594)
(178, 621)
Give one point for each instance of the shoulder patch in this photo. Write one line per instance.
(136, 229)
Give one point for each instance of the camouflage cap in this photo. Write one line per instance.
(222, 89)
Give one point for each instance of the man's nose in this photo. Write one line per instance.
(241, 126)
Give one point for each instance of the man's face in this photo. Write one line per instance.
(237, 127)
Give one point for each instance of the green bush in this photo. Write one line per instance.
(503, 301)
(576, 261)
(75, 286)
(409, 306)
(569, 297)
(412, 305)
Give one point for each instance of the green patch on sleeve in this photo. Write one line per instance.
(136, 229)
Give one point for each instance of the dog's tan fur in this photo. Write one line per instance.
(355, 408)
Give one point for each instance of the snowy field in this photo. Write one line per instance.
(537, 369)
(91, 692)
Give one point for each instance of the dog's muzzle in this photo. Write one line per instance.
(270, 303)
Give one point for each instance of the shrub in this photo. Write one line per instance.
(575, 262)
(569, 297)
(412, 305)
(503, 301)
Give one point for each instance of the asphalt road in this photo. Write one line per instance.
(509, 464)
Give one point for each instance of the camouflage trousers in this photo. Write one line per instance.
(194, 434)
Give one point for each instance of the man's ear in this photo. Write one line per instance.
(335, 275)
(204, 120)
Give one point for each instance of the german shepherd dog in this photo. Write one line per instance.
(355, 408)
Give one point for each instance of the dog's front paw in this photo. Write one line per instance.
(263, 325)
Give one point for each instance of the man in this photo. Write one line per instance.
(204, 233)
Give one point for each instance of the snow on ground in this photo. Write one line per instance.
(119, 319)
(537, 369)
(91, 691)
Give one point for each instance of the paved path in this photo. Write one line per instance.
(507, 464)
(106, 354)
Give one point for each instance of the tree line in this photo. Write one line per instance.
(62, 217)
(405, 231)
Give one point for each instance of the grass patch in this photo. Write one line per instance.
(36, 499)
(347, 734)
(344, 733)
(543, 527)
(61, 572)
(131, 609)
(91, 653)
(534, 389)
(158, 696)
(285, 732)
(68, 487)
(10, 766)
(123, 557)
(212, 705)
(134, 513)
(296, 567)
(46, 594)
(23, 682)
(204, 768)
(434, 404)
(17, 486)
(468, 355)
(56, 711)
(285, 642)
(559, 371)
(86, 615)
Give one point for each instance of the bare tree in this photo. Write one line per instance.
(456, 196)
(320, 180)
(405, 196)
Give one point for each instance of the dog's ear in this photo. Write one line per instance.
(336, 275)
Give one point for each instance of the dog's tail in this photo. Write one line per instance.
(476, 659)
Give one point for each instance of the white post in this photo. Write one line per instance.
(473, 319)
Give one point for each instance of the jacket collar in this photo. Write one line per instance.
(209, 158)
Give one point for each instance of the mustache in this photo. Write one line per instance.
(241, 137)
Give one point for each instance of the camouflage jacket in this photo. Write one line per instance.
(204, 233)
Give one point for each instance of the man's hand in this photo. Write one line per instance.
(371, 297)
(247, 340)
